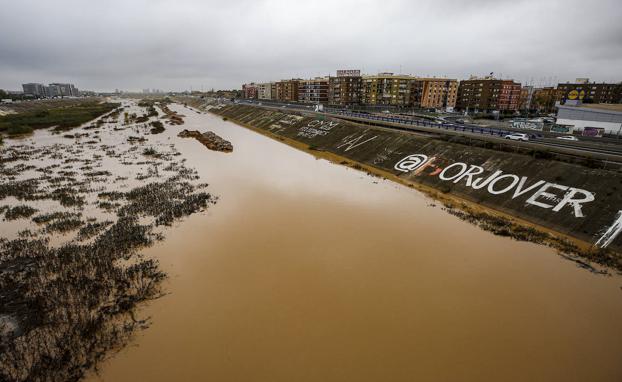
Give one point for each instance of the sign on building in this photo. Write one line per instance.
(348, 73)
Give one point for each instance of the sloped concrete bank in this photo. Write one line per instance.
(580, 202)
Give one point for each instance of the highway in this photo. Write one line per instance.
(608, 149)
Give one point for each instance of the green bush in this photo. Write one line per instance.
(19, 129)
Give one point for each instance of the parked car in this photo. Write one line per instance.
(568, 138)
(517, 137)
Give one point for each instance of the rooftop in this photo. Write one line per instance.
(603, 106)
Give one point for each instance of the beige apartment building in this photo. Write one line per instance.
(264, 90)
(434, 93)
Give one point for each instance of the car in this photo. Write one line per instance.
(568, 138)
(517, 137)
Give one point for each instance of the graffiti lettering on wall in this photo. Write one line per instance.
(316, 128)
(593, 132)
(383, 155)
(411, 162)
(290, 119)
(526, 124)
(612, 232)
(542, 194)
(282, 123)
(352, 141)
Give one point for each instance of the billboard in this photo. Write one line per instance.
(348, 73)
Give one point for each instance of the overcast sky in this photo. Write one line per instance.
(179, 44)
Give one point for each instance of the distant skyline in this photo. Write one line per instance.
(184, 44)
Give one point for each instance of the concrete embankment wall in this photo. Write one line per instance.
(572, 199)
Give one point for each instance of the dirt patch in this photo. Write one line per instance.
(209, 140)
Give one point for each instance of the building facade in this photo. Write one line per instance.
(53, 90)
(287, 90)
(386, 89)
(526, 97)
(249, 91)
(313, 91)
(34, 89)
(488, 94)
(605, 117)
(264, 90)
(544, 99)
(434, 93)
(345, 89)
(62, 90)
(590, 92)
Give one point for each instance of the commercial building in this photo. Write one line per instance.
(62, 90)
(488, 94)
(591, 119)
(249, 91)
(434, 93)
(386, 89)
(313, 90)
(264, 90)
(287, 90)
(34, 89)
(345, 89)
(592, 92)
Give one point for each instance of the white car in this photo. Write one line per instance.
(568, 138)
(517, 137)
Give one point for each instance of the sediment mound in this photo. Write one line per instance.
(209, 140)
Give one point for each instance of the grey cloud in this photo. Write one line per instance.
(190, 43)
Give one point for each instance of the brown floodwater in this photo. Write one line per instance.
(310, 271)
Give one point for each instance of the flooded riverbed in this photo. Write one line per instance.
(309, 271)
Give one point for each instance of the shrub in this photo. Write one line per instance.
(19, 129)
(150, 151)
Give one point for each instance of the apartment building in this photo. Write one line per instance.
(264, 90)
(287, 90)
(543, 99)
(53, 90)
(434, 93)
(249, 90)
(313, 90)
(526, 98)
(488, 94)
(345, 88)
(62, 90)
(592, 92)
(34, 89)
(386, 89)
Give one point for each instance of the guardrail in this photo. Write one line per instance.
(424, 123)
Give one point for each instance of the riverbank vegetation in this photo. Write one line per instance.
(61, 117)
(86, 206)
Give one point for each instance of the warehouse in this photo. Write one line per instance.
(591, 119)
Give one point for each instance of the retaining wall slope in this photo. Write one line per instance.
(550, 193)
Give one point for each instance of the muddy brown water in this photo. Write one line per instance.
(310, 271)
